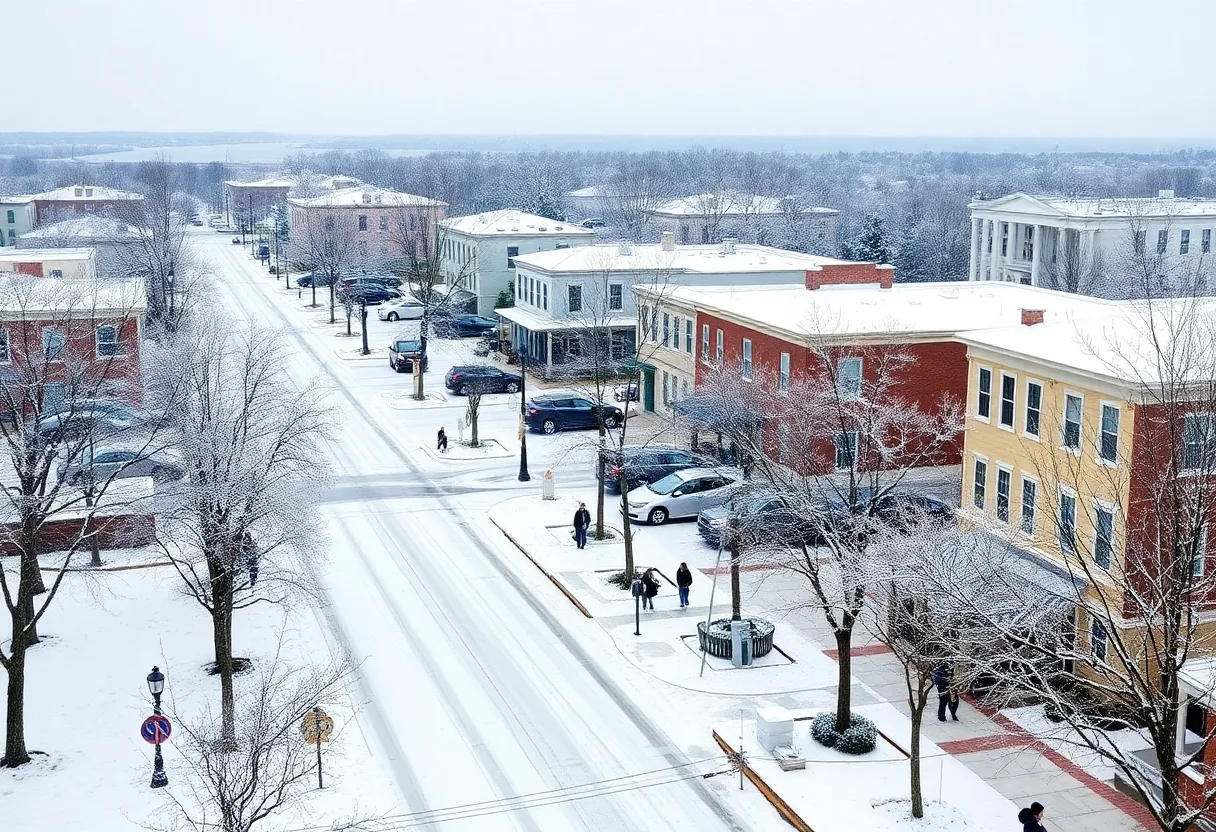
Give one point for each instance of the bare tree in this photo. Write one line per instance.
(326, 242)
(56, 375)
(1071, 266)
(249, 440)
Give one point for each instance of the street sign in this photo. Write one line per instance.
(156, 729)
(316, 726)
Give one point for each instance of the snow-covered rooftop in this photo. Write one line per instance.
(730, 205)
(34, 255)
(73, 193)
(23, 297)
(914, 310)
(513, 223)
(268, 182)
(589, 192)
(713, 258)
(16, 199)
(364, 196)
(1114, 207)
(89, 228)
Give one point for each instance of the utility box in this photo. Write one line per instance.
(774, 728)
(546, 488)
(741, 643)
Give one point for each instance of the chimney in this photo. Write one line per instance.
(625, 248)
(728, 245)
(1165, 193)
(668, 239)
(1030, 317)
(850, 274)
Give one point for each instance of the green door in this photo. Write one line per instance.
(648, 388)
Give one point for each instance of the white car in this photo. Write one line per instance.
(682, 494)
(405, 309)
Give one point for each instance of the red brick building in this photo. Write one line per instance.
(849, 327)
(77, 200)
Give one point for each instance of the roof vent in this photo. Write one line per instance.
(625, 248)
(763, 259)
(515, 228)
(728, 245)
(543, 228)
(500, 228)
(378, 199)
(89, 192)
(367, 199)
(557, 228)
(668, 240)
(1165, 193)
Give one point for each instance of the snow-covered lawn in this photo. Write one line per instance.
(463, 452)
(87, 695)
(355, 352)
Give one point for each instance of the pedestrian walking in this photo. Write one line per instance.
(441, 444)
(651, 584)
(582, 522)
(942, 677)
(251, 555)
(1032, 818)
(955, 696)
(684, 582)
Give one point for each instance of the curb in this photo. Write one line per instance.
(787, 813)
(552, 578)
(124, 568)
(438, 457)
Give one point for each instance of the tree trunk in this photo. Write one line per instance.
(349, 333)
(474, 406)
(363, 324)
(736, 596)
(31, 575)
(918, 800)
(15, 753)
(629, 567)
(844, 663)
(422, 327)
(222, 581)
(601, 485)
(332, 319)
(94, 547)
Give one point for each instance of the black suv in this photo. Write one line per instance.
(481, 378)
(561, 411)
(765, 516)
(648, 463)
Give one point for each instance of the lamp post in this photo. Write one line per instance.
(524, 476)
(251, 242)
(169, 279)
(156, 684)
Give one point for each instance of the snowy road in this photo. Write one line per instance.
(479, 682)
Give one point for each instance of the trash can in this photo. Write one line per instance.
(741, 643)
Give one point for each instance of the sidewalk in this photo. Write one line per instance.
(800, 674)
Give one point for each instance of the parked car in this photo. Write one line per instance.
(463, 326)
(648, 463)
(559, 411)
(905, 510)
(483, 377)
(196, 222)
(308, 279)
(236, 241)
(593, 222)
(626, 392)
(107, 463)
(370, 294)
(100, 416)
(382, 279)
(765, 516)
(682, 494)
(404, 350)
(404, 309)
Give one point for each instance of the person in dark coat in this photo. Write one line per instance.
(251, 556)
(651, 583)
(441, 444)
(1032, 818)
(582, 522)
(942, 678)
(684, 582)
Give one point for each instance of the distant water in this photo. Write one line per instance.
(268, 153)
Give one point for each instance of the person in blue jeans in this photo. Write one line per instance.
(582, 522)
(684, 583)
(651, 583)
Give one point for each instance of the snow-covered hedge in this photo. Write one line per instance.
(859, 738)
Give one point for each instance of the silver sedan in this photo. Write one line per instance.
(121, 462)
(682, 494)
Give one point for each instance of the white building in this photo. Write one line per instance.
(66, 263)
(586, 202)
(1078, 244)
(478, 252)
(116, 244)
(17, 216)
(764, 220)
(562, 297)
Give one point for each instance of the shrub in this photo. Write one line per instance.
(859, 738)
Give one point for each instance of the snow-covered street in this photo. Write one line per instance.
(479, 682)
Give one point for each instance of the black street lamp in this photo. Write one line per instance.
(524, 476)
(156, 684)
(169, 280)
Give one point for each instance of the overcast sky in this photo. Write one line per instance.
(744, 67)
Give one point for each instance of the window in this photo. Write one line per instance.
(383, 222)
(560, 246)
(666, 387)
(666, 329)
(1030, 491)
(718, 345)
(5, 356)
(1034, 408)
(848, 378)
(1108, 441)
(1205, 241)
(846, 449)
(12, 217)
(1201, 551)
(1028, 243)
(512, 253)
(1139, 242)
(688, 336)
(57, 274)
(615, 296)
(1198, 441)
(1097, 640)
(544, 296)
(54, 396)
(363, 222)
(783, 376)
(747, 359)
(1104, 536)
(704, 342)
(1163, 240)
(1008, 391)
(1068, 522)
(979, 495)
(575, 298)
(1004, 239)
(53, 343)
(107, 340)
(1072, 422)
(675, 332)
(1184, 242)
(1004, 477)
(983, 405)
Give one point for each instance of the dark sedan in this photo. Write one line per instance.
(648, 463)
(307, 281)
(464, 326)
(481, 378)
(370, 294)
(557, 411)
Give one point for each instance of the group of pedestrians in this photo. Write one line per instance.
(650, 581)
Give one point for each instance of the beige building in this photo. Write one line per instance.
(66, 263)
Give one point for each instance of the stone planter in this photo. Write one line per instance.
(716, 640)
